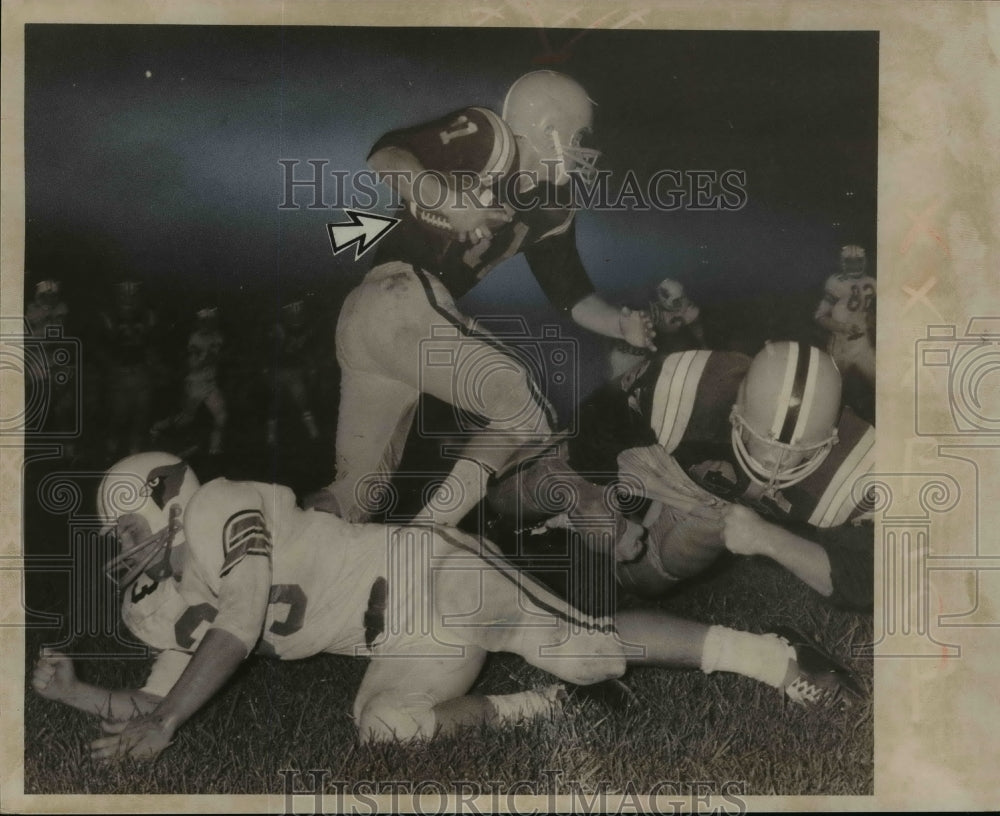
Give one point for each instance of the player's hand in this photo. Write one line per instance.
(53, 677)
(637, 328)
(743, 531)
(142, 738)
(854, 332)
(472, 223)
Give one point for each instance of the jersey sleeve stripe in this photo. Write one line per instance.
(837, 502)
(674, 396)
(245, 533)
(502, 156)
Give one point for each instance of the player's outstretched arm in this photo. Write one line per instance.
(634, 327)
(55, 679)
(746, 533)
(217, 658)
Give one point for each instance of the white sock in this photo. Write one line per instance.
(762, 657)
(527, 705)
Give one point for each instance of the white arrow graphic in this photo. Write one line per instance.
(364, 230)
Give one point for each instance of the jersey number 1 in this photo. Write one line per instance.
(460, 127)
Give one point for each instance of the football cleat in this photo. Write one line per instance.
(819, 680)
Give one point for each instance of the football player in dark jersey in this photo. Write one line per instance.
(476, 189)
(757, 457)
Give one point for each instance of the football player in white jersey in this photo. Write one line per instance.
(847, 311)
(212, 573)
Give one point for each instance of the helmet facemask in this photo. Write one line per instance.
(853, 261)
(142, 500)
(139, 556)
(787, 464)
(572, 158)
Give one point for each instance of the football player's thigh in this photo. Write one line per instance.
(419, 682)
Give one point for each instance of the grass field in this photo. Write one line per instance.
(688, 727)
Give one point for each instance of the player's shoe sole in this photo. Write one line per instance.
(819, 680)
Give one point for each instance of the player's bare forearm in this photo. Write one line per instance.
(595, 314)
(746, 533)
(54, 678)
(215, 661)
(145, 737)
(805, 559)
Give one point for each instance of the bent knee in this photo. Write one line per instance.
(393, 717)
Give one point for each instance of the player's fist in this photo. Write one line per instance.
(743, 531)
(636, 328)
(53, 677)
(475, 222)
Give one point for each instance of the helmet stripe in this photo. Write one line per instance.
(785, 394)
(792, 402)
(805, 411)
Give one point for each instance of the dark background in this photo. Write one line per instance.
(152, 153)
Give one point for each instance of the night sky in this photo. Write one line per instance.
(152, 153)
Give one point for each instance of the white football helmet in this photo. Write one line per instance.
(786, 413)
(853, 260)
(142, 498)
(553, 113)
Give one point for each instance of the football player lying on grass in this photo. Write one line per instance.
(214, 572)
(754, 456)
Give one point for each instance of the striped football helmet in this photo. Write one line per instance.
(786, 413)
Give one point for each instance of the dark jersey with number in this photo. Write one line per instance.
(683, 402)
(473, 147)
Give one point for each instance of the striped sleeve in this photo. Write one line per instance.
(837, 502)
(244, 533)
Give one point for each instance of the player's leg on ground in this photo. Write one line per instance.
(405, 697)
(479, 598)
(672, 642)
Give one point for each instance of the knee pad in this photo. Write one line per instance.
(394, 717)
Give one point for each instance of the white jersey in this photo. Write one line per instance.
(848, 299)
(322, 575)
